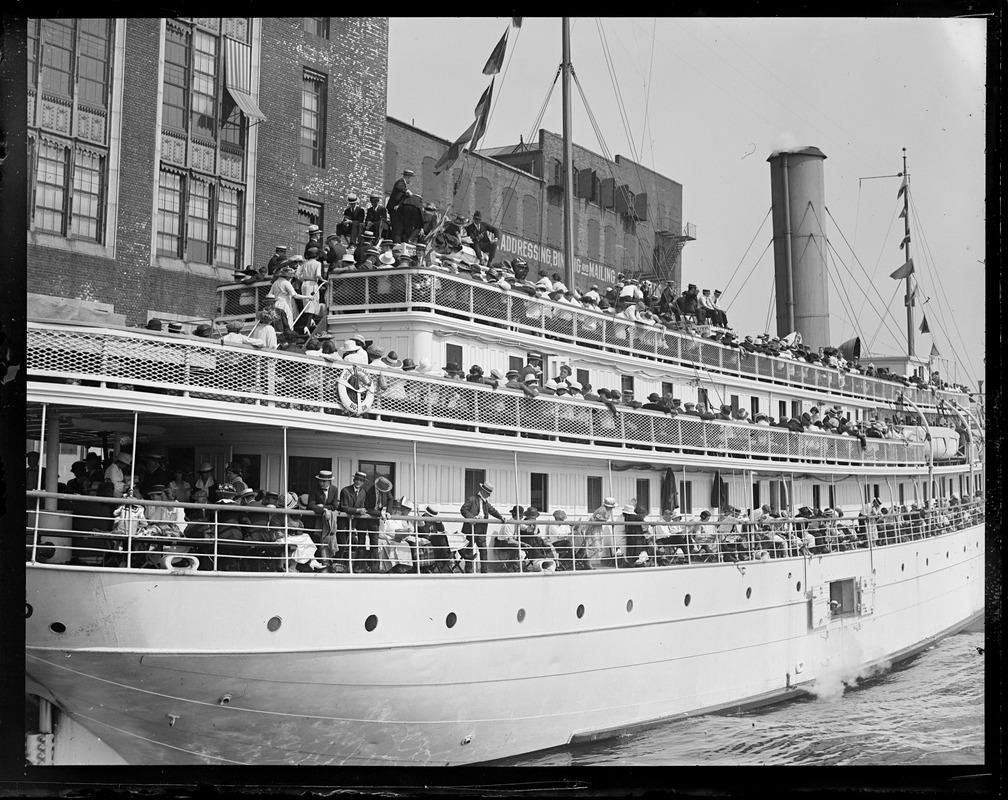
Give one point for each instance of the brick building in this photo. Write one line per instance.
(627, 218)
(165, 154)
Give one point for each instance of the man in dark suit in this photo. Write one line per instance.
(322, 497)
(314, 239)
(351, 502)
(378, 502)
(654, 403)
(400, 191)
(478, 507)
(484, 237)
(353, 221)
(376, 217)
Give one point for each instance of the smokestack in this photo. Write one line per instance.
(799, 209)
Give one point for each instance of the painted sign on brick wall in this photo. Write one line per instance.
(552, 259)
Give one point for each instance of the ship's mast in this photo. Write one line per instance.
(568, 162)
(906, 237)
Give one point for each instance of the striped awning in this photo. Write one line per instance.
(237, 76)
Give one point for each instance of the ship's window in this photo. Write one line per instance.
(539, 491)
(371, 623)
(796, 408)
(251, 465)
(644, 494)
(453, 352)
(778, 499)
(756, 495)
(301, 470)
(582, 377)
(702, 397)
(580, 610)
(473, 478)
(594, 492)
(901, 497)
(378, 469)
(686, 497)
(667, 388)
(841, 597)
(627, 386)
(782, 409)
(753, 407)
(735, 402)
(832, 496)
(515, 363)
(451, 619)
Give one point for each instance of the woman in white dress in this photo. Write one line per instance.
(309, 272)
(284, 295)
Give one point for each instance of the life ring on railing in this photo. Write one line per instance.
(542, 565)
(192, 563)
(356, 391)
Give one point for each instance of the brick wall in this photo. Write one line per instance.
(355, 62)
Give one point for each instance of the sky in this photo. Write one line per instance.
(707, 100)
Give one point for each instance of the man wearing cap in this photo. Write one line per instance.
(314, 239)
(400, 191)
(364, 243)
(376, 217)
(654, 403)
(478, 506)
(718, 314)
(484, 237)
(351, 504)
(353, 221)
(278, 257)
(323, 500)
(378, 504)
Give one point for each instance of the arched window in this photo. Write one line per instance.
(530, 217)
(482, 195)
(509, 213)
(629, 251)
(554, 226)
(609, 246)
(593, 239)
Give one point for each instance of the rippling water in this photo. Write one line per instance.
(929, 710)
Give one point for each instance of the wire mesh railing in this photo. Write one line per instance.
(232, 374)
(384, 290)
(131, 533)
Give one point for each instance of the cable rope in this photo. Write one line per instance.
(751, 242)
(769, 311)
(889, 330)
(739, 293)
(878, 261)
(881, 320)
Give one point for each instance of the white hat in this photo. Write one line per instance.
(387, 258)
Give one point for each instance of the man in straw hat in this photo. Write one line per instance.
(400, 191)
(323, 500)
(120, 473)
(478, 507)
(378, 504)
(376, 217)
(351, 504)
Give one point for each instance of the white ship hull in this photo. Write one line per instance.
(175, 668)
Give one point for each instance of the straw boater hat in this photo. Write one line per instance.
(609, 502)
(383, 484)
(125, 458)
(387, 258)
(487, 487)
(324, 475)
(290, 500)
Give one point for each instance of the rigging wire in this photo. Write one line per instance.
(889, 330)
(769, 311)
(878, 261)
(739, 292)
(751, 242)
(868, 345)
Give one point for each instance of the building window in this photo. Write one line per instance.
(609, 245)
(554, 226)
(57, 56)
(378, 469)
(86, 208)
(539, 491)
(198, 216)
(483, 192)
(313, 108)
(93, 62)
(176, 71)
(317, 26)
(308, 213)
(593, 239)
(530, 217)
(229, 216)
(50, 187)
(169, 237)
(686, 497)
(198, 219)
(594, 492)
(453, 354)
(473, 479)
(204, 86)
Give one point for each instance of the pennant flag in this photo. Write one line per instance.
(910, 299)
(516, 21)
(903, 188)
(902, 213)
(902, 272)
(924, 326)
(482, 112)
(454, 151)
(905, 242)
(496, 60)
(934, 352)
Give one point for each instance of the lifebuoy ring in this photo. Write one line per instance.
(356, 391)
(192, 563)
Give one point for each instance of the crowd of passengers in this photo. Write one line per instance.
(467, 248)
(361, 527)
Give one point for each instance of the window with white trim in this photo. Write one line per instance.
(69, 83)
(313, 118)
(206, 110)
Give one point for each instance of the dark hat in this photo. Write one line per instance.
(725, 408)
(392, 359)
(452, 367)
(408, 365)
(311, 251)
(477, 215)
(374, 196)
(654, 397)
(531, 512)
(235, 467)
(691, 286)
(174, 327)
(475, 369)
(157, 488)
(154, 324)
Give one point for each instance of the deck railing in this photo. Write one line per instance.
(188, 367)
(120, 533)
(382, 291)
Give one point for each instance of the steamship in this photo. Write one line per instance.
(171, 659)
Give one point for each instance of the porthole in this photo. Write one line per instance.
(580, 610)
(629, 606)
(797, 586)
(451, 619)
(686, 600)
(927, 562)
(521, 614)
(57, 627)
(902, 567)
(27, 610)
(748, 593)
(946, 554)
(273, 625)
(371, 623)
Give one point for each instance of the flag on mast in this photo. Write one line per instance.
(905, 242)
(496, 60)
(902, 272)
(902, 213)
(903, 188)
(482, 112)
(454, 151)
(934, 352)
(924, 326)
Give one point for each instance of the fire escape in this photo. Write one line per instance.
(669, 244)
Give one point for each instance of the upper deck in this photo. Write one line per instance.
(360, 295)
